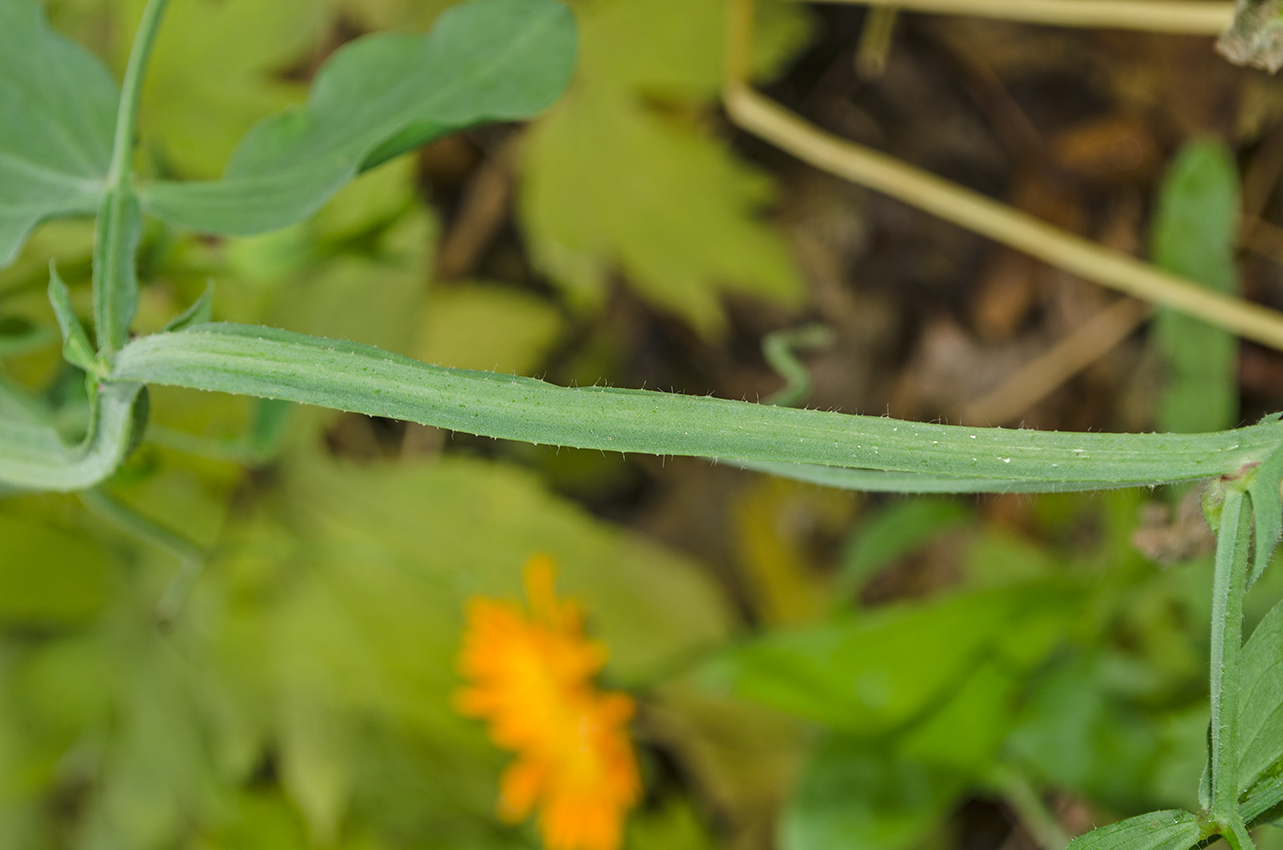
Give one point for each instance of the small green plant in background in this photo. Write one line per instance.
(68, 148)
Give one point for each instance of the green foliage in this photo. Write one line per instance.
(872, 673)
(57, 114)
(612, 183)
(375, 99)
(1195, 231)
(289, 683)
(1172, 830)
(488, 327)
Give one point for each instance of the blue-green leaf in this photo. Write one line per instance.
(57, 116)
(1167, 830)
(487, 60)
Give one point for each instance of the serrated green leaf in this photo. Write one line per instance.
(376, 98)
(1169, 830)
(609, 183)
(1194, 236)
(1260, 731)
(254, 360)
(76, 348)
(57, 116)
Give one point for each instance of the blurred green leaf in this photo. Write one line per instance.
(57, 117)
(650, 606)
(673, 827)
(216, 70)
(853, 797)
(158, 771)
(1073, 732)
(1169, 830)
(406, 15)
(1195, 229)
(19, 336)
(317, 764)
(967, 731)
(487, 327)
(376, 98)
(348, 619)
(263, 820)
(611, 183)
(871, 673)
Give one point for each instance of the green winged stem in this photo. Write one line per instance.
(279, 364)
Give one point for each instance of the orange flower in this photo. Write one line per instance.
(531, 678)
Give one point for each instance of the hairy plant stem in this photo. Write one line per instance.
(116, 240)
(1234, 538)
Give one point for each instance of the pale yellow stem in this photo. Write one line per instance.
(1196, 17)
(996, 220)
